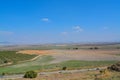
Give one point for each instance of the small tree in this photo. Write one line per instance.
(75, 48)
(6, 61)
(3, 74)
(64, 68)
(30, 74)
(115, 67)
(96, 48)
(91, 48)
(118, 47)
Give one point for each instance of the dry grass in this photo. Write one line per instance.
(91, 75)
(67, 76)
(86, 55)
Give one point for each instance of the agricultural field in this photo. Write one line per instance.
(81, 54)
(13, 57)
(60, 47)
(71, 57)
(55, 59)
(43, 64)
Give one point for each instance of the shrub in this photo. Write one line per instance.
(118, 47)
(115, 67)
(64, 68)
(103, 75)
(6, 61)
(30, 74)
(3, 74)
(75, 48)
(91, 48)
(96, 48)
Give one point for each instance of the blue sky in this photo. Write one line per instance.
(53, 21)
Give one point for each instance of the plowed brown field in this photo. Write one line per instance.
(38, 52)
(87, 55)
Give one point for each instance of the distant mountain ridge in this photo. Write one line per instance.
(5, 43)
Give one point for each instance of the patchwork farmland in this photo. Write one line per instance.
(54, 59)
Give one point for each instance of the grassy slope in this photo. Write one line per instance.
(12, 56)
(23, 67)
(76, 64)
(42, 64)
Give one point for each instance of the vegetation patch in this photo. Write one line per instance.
(115, 67)
(30, 74)
(107, 75)
(27, 66)
(77, 64)
(13, 57)
(42, 64)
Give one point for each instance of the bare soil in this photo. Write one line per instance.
(86, 55)
(67, 76)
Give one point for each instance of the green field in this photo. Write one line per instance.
(77, 64)
(12, 56)
(30, 65)
(43, 64)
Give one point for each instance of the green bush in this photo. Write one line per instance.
(6, 61)
(30, 74)
(115, 67)
(3, 74)
(96, 48)
(64, 68)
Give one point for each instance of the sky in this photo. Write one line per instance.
(59, 21)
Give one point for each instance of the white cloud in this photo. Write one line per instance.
(45, 19)
(6, 33)
(78, 29)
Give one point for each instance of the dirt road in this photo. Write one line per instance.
(48, 73)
